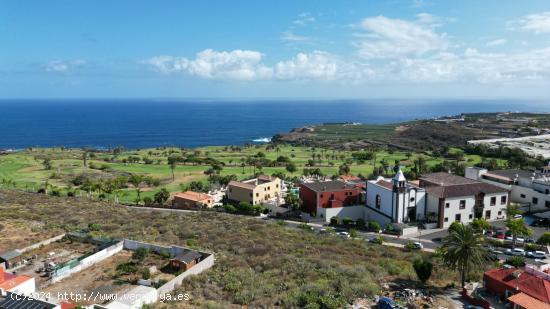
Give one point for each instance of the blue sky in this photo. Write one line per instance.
(276, 49)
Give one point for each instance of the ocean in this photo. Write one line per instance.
(144, 123)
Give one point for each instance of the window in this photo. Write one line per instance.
(447, 205)
(488, 214)
(522, 195)
(462, 204)
(277, 186)
(378, 201)
(446, 219)
(493, 201)
(457, 217)
(470, 216)
(230, 190)
(332, 196)
(503, 199)
(257, 194)
(547, 204)
(500, 213)
(321, 196)
(535, 200)
(268, 188)
(251, 194)
(412, 199)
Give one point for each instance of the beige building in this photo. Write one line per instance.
(255, 191)
(192, 200)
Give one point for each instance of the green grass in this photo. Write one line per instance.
(27, 171)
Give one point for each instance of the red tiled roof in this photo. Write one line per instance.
(385, 184)
(528, 302)
(519, 280)
(193, 196)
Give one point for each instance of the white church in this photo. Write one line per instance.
(395, 200)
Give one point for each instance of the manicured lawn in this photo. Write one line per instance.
(27, 171)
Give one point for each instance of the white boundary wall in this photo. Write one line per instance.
(89, 261)
(195, 270)
(42, 243)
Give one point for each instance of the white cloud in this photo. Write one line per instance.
(290, 36)
(304, 19)
(63, 66)
(395, 38)
(210, 64)
(537, 23)
(496, 42)
(473, 66)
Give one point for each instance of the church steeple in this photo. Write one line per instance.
(399, 180)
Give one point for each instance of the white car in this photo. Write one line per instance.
(536, 254)
(418, 245)
(344, 234)
(516, 251)
(518, 239)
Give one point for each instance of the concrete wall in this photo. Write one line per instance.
(88, 261)
(386, 200)
(42, 243)
(525, 195)
(195, 270)
(353, 212)
(26, 288)
(371, 215)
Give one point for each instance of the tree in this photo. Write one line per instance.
(343, 169)
(516, 261)
(360, 223)
(136, 181)
(518, 228)
(173, 163)
(291, 167)
(423, 269)
(480, 225)
(374, 226)
(463, 250)
(47, 163)
(353, 233)
(294, 201)
(544, 239)
(85, 158)
(162, 196)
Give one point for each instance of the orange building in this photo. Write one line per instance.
(192, 200)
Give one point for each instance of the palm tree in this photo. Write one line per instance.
(172, 168)
(136, 181)
(463, 250)
(518, 228)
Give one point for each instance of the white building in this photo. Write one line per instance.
(395, 200)
(529, 189)
(453, 198)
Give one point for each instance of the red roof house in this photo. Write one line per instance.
(510, 281)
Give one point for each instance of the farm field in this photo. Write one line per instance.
(26, 169)
(295, 268)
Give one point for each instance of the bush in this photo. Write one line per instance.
(423, 269)
(145, 274)
(140, 254)
(409, 245)
(334, 220)
(147, 201)
(374, 226)
(516, 261)
(347, 221)
(360, 223)
(544, 239)
(126, 268)
(378, 240)
(353, 233)
(230, 209)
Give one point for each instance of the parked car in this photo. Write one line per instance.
(418, 245)
(516, 252)
(518, 216)
(536, 254)
(543, 222)
(386, 303)
(518, 239)
(493, 250)
(499, 234)
(344, 234)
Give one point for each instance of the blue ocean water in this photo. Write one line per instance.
(191, 123)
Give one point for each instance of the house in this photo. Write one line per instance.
(454, 198)
(254, 191)
(395, 200)
(9, 300)
(10, 258)
(325, 199)
(192, 200)
(185, 260)
(525, 288)
(16, 283)
(531, 189)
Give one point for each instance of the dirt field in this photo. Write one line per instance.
(94, 282)
(57, 252)
(17, 234)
